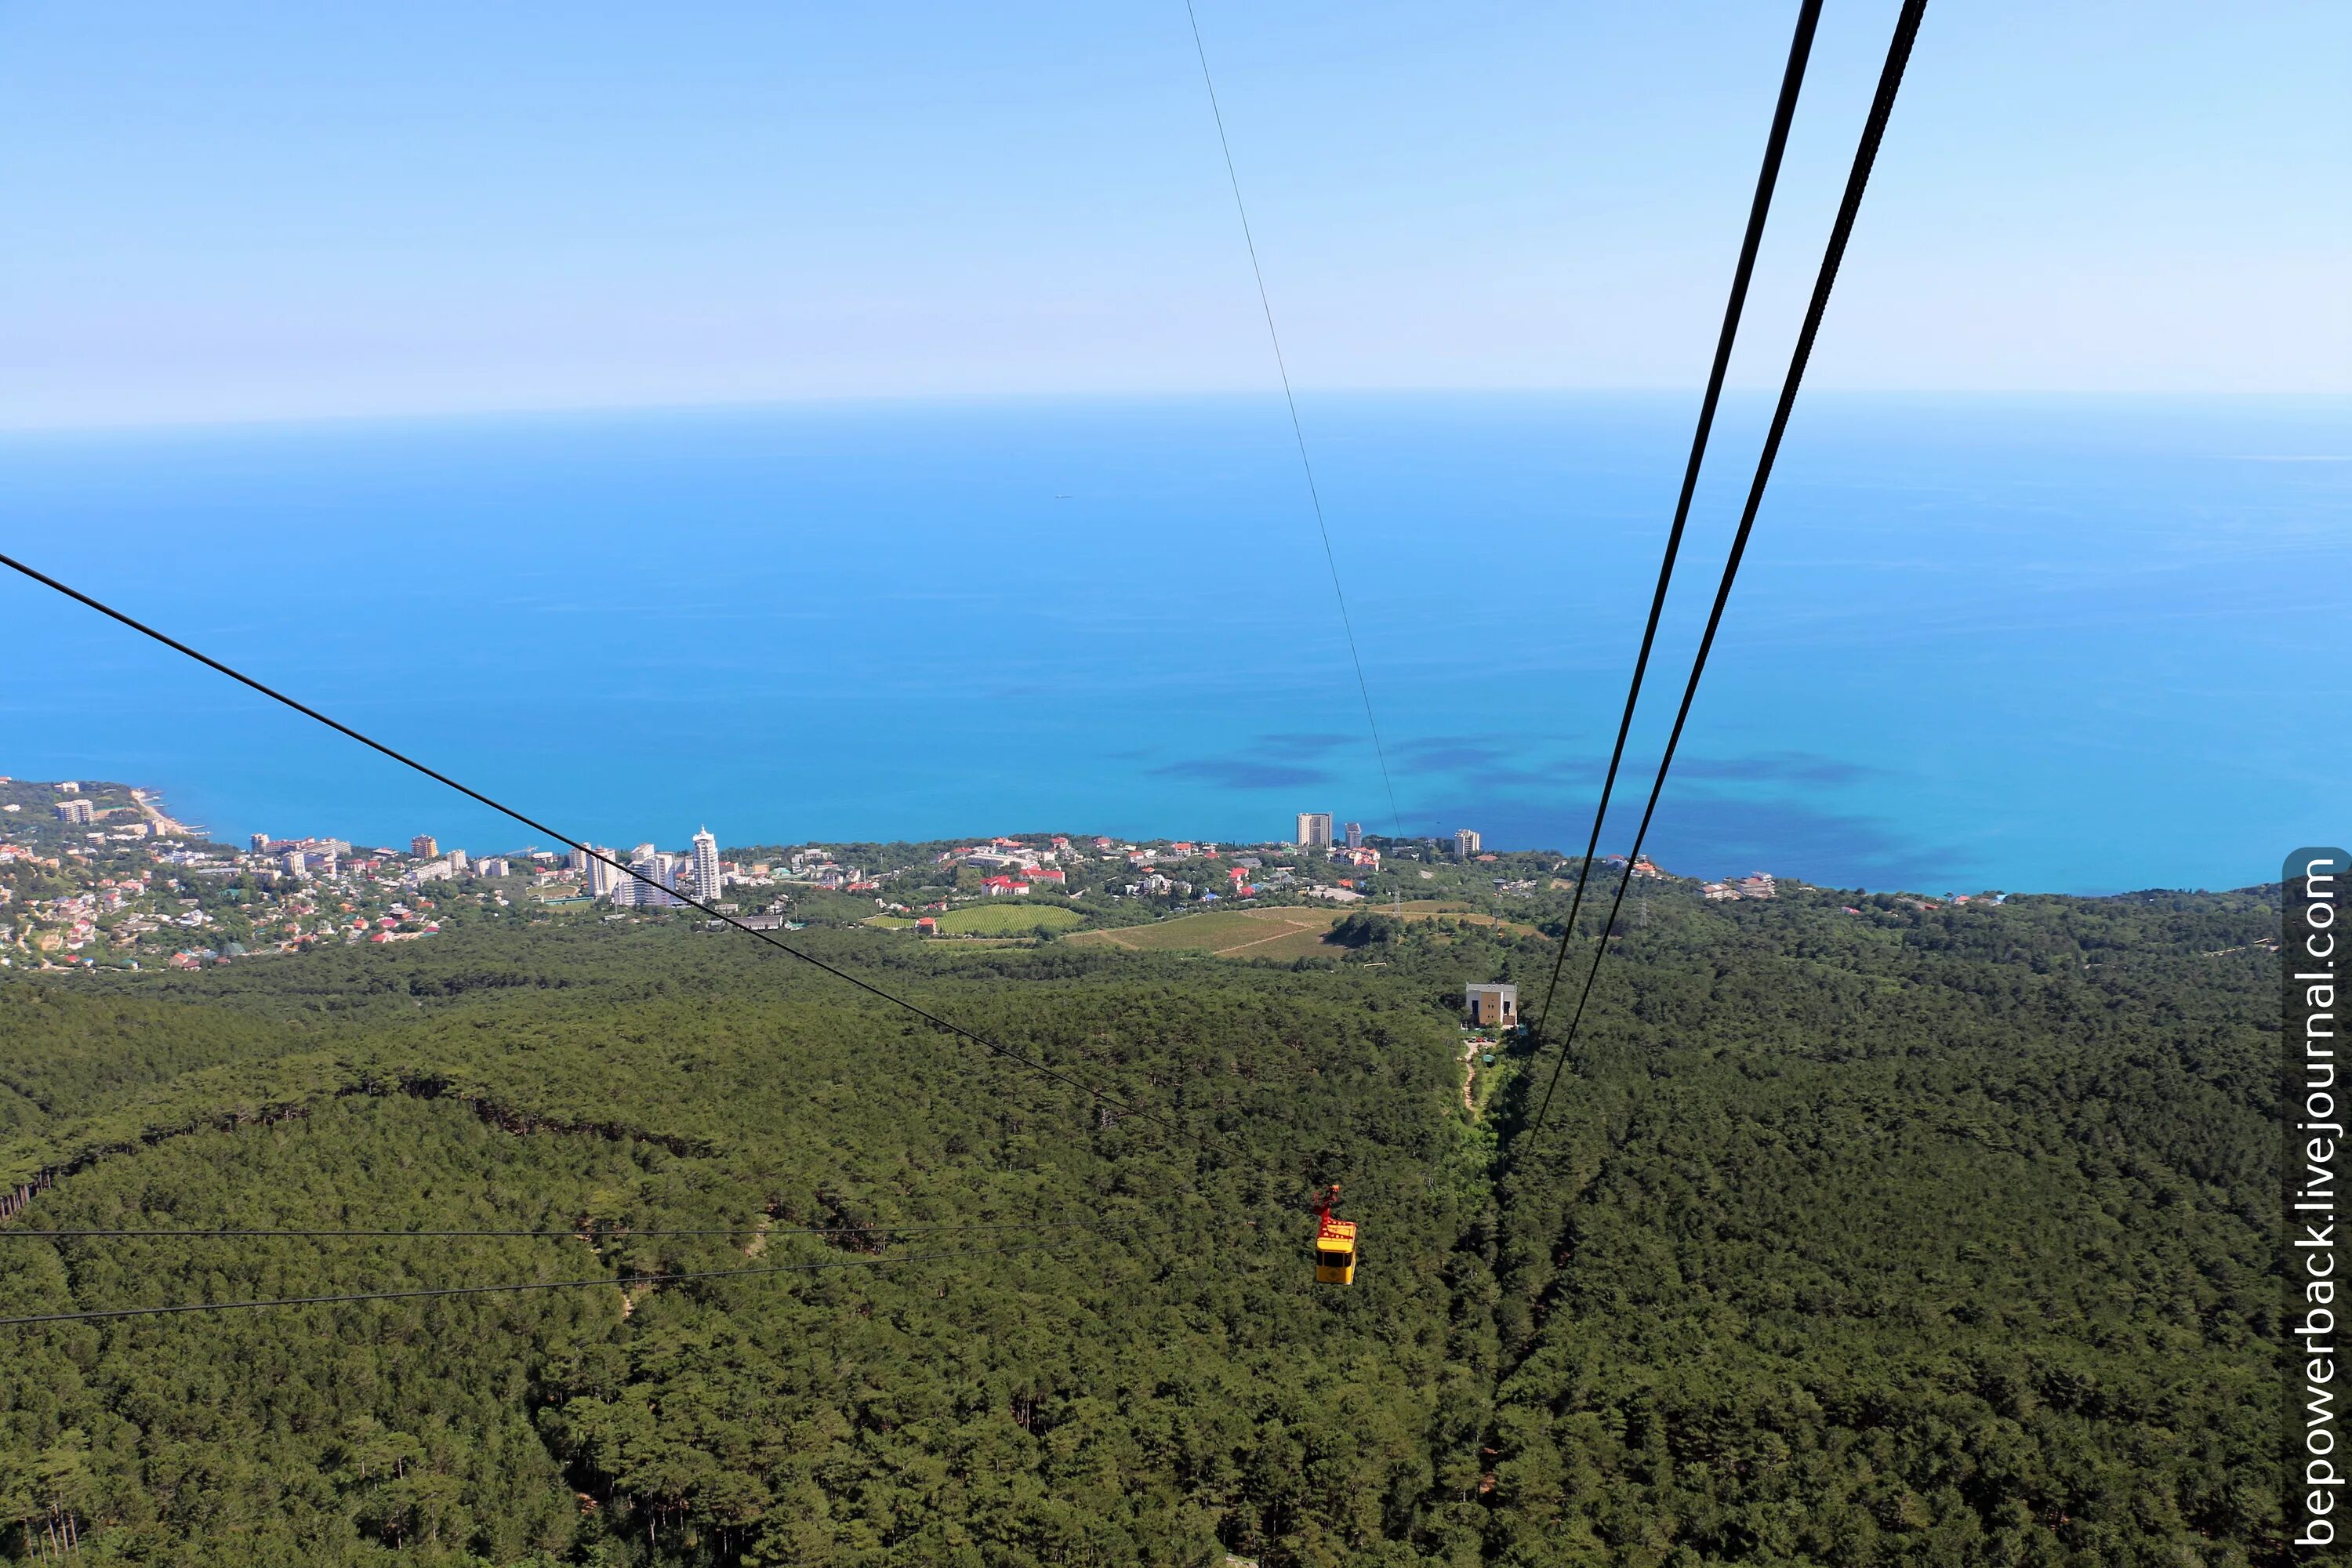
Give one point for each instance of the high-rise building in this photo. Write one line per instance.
(1465, 843)
(261, 841)
(625, 889)
(657, 874)
(580, 859)
(604, 879)
(705, 866)
(292, 862)
(459, 863)
(425, 847)
(1315, 830)
(1355, 835)
(75, 811)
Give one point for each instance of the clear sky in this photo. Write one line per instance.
(235, 211)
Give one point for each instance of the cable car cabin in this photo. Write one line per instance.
(1335, 1252)
(1335, 1241)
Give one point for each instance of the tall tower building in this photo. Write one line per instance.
(425, 847)
(1355, 835)
(604, 879)
(1315, 830)
(705, 866)
(1465, 843)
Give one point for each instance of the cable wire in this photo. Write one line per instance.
(623, 1281)
(1882, 106)
(1102, 1097)
(1297, 430)
(1792, 79)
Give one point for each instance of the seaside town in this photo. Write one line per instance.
(99, 874)
(102, 874)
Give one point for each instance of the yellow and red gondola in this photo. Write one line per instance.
(1334, 1242)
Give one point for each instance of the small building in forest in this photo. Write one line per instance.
(1494, 1006)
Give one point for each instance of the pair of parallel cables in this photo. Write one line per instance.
(1890, 82)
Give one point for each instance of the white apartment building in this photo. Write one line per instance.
(705, 866)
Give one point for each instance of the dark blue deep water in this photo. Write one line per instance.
(2066, 645)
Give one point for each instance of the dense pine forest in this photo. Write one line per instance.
(1860, 1232)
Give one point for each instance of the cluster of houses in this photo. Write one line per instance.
(65, 930)
(331, 859)
(57, 929)
(1014, 870)
(811, 868)
(1755, 885)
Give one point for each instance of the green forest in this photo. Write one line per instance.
(1861, 1231)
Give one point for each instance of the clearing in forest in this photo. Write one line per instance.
(1426, 909)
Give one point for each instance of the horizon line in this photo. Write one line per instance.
(193, 423)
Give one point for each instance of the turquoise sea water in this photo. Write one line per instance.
(2060, 643)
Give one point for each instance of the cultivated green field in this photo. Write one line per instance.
(1011, 918)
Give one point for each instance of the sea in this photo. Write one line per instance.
(2083, 644)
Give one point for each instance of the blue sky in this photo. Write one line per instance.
(238, 211)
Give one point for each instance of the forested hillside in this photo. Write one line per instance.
(1905, 1236)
